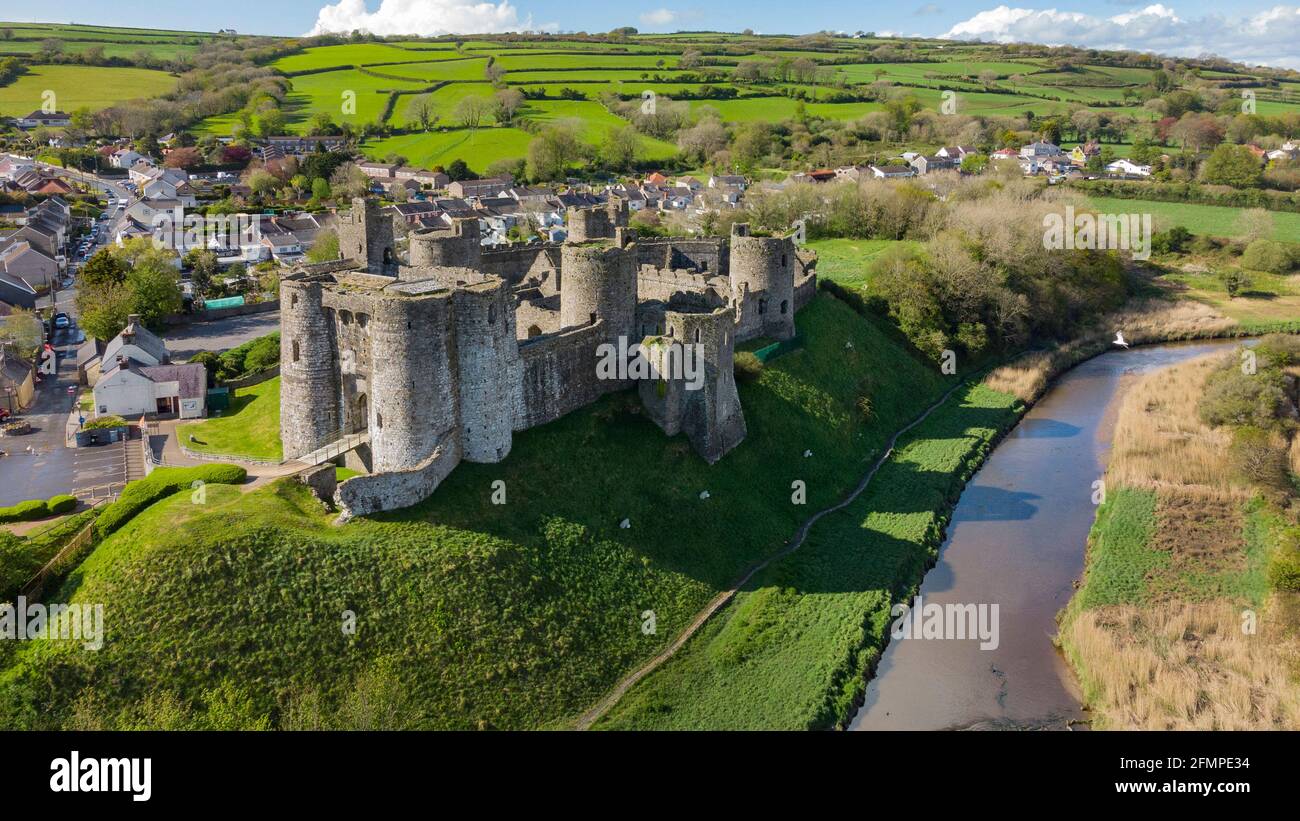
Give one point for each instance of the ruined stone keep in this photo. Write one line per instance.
(445, 354)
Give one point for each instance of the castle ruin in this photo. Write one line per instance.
(442, 357)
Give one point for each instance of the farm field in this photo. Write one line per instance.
(78, 86)
(1214, 220)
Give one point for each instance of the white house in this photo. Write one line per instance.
(1128, 168)
(51, 119)
(886, 172)
(125, 158)
(1041, 151)
(138, 343)
(130, 389)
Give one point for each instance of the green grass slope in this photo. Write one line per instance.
(792, 650)
(514, 615)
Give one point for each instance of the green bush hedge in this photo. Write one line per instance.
(62, 504)
(38, 509)
(105, 422)
(25, 511)
(141, 493)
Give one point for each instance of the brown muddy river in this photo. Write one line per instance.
(1016, 539)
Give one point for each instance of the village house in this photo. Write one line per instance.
(1128, 168)
(17, 381)
(887, 172)
(48, 119)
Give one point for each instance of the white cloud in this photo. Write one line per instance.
(1266, 38)
(422, 17)
(658, 17)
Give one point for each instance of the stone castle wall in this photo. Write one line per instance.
(446, 358)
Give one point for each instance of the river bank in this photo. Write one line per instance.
(1183, 620)
(797, 644)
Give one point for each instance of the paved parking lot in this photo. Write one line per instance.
(39, 465)
(219, 335)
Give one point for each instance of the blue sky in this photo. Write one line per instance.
(1263, 31)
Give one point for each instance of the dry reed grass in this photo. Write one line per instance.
(1141, 321)
(1186, 666)
(1160, 442)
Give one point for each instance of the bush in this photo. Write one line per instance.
(1235, 398)
(747, 367)
(142, 493)
(25, 511)
(62, 504)
(1284, 569)
(1267, 255)
(105, 422)
(1257, 459)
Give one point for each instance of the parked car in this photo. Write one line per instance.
(61, 320)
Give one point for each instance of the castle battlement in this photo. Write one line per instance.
(444, 357)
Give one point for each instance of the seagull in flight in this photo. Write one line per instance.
(1119, 339)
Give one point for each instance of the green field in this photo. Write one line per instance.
(78, 86)
(250, 427)
(1212, 220)
(848, 261)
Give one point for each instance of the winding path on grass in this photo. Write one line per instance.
(603, 706)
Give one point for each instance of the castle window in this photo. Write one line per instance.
(363, 320)
(295, 350)
(785, 305)
(783, 263)
(379, 419)
(345, 317)
(492, 314)
(293, 301)
(704, 265)
(762, 306)
(697, 334)
(533, 331)
(593, 317)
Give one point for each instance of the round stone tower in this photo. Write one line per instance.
(413, 404)
(309, 388)
(489, 370)
(762, 283)
(599, 283)
(458, 247)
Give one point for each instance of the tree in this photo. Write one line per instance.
(320, 189)
(349, 181)
(1234, 282)
(103, 268)
(618, 151)
(23, 329)
(506, 104)
(459, 170)
(470, 111)
(552, 152)
(203, 267)
(325, 248)
(421, 110)
(102, 309)
(183, 158)
(262, 182)
(1233, 165)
